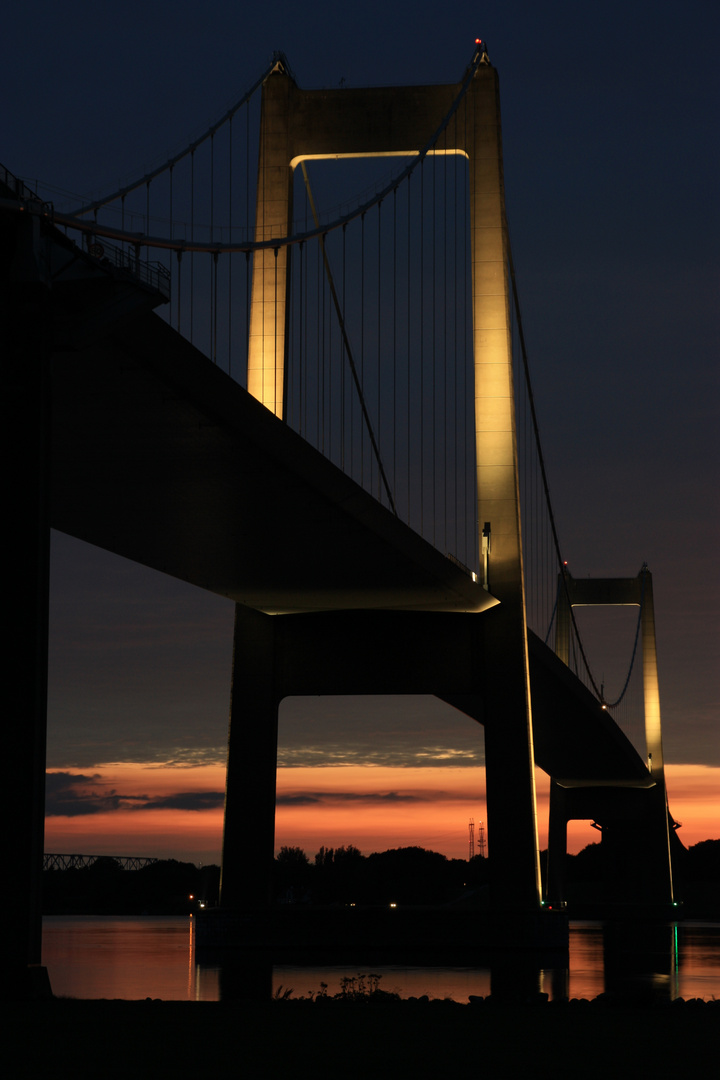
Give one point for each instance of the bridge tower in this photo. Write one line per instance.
(297, 125)
(635, 822)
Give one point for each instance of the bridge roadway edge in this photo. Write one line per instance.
(191, 476)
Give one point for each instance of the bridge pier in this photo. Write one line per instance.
(249, 821)
(26, 335)
(510, 773)
(449, 655)
(633, 819)
(633, 822)
(556, 872)
(41, 313)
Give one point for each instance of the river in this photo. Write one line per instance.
(139, 957)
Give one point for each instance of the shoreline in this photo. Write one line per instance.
(114, 1038)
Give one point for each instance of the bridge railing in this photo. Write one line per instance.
(152, 274)
(19, 188)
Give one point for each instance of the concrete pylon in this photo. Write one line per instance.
(635, 824)
(26, 335)
(297, 125)
(249, 819)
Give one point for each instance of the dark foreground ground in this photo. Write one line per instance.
(108, 1039)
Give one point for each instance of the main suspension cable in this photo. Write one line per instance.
(74, 220)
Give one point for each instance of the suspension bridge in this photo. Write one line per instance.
(287, 364)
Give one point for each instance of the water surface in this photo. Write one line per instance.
(140, 957)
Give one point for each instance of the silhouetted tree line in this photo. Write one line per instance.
(106, 888)
(414, 875)
(410, 875)
(343, 875)
(696, 872)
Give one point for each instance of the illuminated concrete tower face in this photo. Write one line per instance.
(300, 124)
(273, 215)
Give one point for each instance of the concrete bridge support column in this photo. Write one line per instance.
(512, 824)
(653, 736)
(635, 855)
(25, 337)
(556, 875)
(249, 830)
(636, 831)
(510, 778)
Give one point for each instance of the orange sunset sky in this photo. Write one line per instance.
(373, 807)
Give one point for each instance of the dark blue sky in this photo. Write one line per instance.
(610, 123)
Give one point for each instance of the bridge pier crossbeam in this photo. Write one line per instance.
(369, 652)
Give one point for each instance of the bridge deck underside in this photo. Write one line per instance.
(160, 457)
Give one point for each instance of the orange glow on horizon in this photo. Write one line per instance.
(372, 807)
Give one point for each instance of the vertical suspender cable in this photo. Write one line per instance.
(247, 301)
(179, 287)
(344, 355)
(456, 424)
(331, 375)
(171, 225)
(215, 307)
(302, 331)
(230, 240)
(469, 459)
(362, 339)
(247, 227)
(407, 370)
(213, 268)
(192, 237)
(444, 351)
(304, 365)
(433, 354)
(379, 329)
(323, 361)
(275, 335)
(394, 377)
(422, 348)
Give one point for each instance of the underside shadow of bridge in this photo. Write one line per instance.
(188, 474)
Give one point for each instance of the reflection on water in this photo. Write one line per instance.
(123, 957)
(131, 958)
